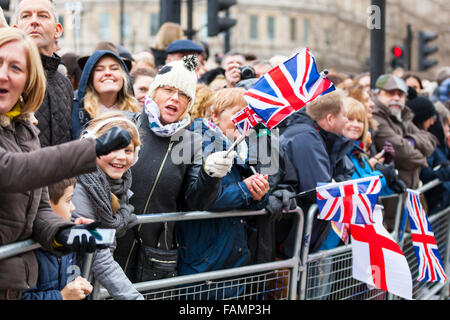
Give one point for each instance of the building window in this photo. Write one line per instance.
(293, 29)
(253, 27)
(154, 23)
(103, 26)
(306, 31)
(271, 28)
(126, 31)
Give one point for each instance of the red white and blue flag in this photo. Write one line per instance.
(287, 88)
(246, 119)
(425, 246)
(351, 201)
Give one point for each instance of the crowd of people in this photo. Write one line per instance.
(94, 141)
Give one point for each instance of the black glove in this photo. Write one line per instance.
(398, 186)
(281, 200)
(82, 245)
(388, 172)
(115, 138)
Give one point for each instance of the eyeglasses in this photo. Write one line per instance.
(181, 95)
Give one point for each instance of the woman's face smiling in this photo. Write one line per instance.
(107, 76)
(353, 129)
(116, 163)
(13, 74)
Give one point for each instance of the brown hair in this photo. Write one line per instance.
(319, 108)
(168, 33)
(56, 190)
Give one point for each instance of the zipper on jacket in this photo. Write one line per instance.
(148, 201)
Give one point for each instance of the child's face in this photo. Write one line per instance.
(116, 163)
(64, 207)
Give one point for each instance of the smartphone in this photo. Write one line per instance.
(102, 236)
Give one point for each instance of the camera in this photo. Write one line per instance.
(247, 72)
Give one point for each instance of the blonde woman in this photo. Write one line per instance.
(105, 85)
(25, 210)
(356, 129)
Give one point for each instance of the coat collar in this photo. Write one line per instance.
(50, 63)
(6, 121)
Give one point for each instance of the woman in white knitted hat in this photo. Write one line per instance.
(170, 174)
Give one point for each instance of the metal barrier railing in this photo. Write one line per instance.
(328, 274)
(258, 281)
(305, 276)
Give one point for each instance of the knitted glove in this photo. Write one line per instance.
(279, 201)
(217, 165)
(115, 138)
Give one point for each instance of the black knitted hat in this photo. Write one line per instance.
(422, 107)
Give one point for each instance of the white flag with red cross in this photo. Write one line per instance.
(378, 260)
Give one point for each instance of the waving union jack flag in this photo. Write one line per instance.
(245, 119)
(287, 88)
(350, 201)
(425, 246)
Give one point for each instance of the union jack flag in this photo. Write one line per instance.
(245, 119)
(351, 201)
(425, 246)
(287, 88)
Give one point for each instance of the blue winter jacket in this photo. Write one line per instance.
(79, 115)
(214, 244)
(54, 273)
(363, 169)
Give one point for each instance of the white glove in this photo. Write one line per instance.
(217, 165)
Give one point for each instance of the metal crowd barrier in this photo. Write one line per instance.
(266, 281)
(324, 275)
(327, 275)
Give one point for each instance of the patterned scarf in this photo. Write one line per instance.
(152, 111)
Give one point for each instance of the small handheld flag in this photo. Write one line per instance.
(246, 119)
(287, 88)
(349, 201)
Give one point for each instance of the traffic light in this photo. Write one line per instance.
(4, 4)
(398, 56)
(425, 50)
(218, 24)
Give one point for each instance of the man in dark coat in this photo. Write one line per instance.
(38, 19)
(314, 144)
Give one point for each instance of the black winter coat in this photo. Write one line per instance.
(317, 156)
(55, 113)
(178, 185)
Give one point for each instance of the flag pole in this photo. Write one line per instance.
(236, 142)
